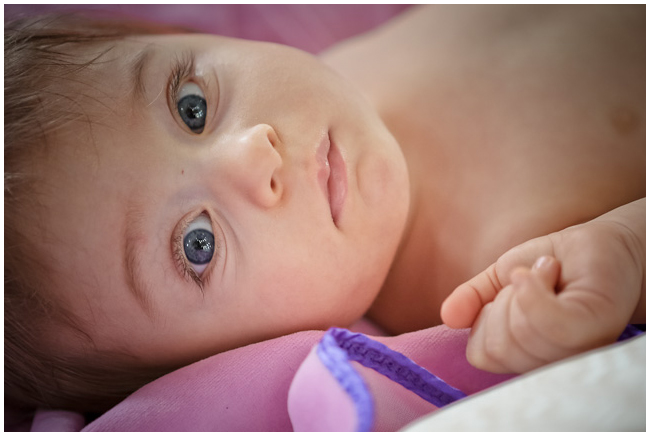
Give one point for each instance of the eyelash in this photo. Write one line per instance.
(181, 261)
(182, 70)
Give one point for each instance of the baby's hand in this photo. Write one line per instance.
(527, 310)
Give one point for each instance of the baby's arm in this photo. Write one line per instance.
(555, 296)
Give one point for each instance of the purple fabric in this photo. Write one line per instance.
(395, 366)
(334, 374)
(57, 420)
(306, 401)
(335, 359)
(309, 27)
(630, 332)
(340, 346)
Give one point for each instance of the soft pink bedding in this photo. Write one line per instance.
(309, 27)
(248, 389)
(289, 383)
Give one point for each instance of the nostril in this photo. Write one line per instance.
(276, 187)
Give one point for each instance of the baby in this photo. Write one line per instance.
(169, 196)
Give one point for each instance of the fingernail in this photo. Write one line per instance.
(543, 262)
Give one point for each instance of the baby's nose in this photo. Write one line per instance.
(258, 163)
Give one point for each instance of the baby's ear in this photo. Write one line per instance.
(463, 305)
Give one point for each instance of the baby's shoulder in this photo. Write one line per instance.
(426, 44)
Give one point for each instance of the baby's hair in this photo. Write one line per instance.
(44, 58)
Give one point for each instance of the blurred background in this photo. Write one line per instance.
(309, 27)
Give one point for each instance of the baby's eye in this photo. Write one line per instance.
(192, 107)
(198, 243)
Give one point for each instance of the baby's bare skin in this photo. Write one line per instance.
(516, 122)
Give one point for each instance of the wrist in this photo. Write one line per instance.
(629, 221)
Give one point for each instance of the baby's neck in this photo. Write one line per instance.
(430, 260)
(427, 260)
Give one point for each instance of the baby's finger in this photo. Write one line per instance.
(462, 307)
(536, 293)
(495, 349)
(464, 304)
(474, 351)
(548, 269)
(546, 325)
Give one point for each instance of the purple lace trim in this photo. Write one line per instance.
(336, 361)
(338, 346)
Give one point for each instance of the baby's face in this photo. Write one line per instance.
(256, 196)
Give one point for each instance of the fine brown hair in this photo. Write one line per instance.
(44, 56)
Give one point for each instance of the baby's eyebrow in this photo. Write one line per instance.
(133, 258)
(138, 68)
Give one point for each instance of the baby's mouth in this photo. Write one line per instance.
(324, 171)
(337, 183)
(332, 176)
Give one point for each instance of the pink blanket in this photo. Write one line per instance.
(248, 389)
(308, 381)
(308, 27)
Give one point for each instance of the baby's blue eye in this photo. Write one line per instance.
(198, 243)
(192, 107)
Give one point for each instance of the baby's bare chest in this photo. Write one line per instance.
(513, 107)
(522, 132)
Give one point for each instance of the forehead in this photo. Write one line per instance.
(116, 69)
(123, 70)
(83, 173)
